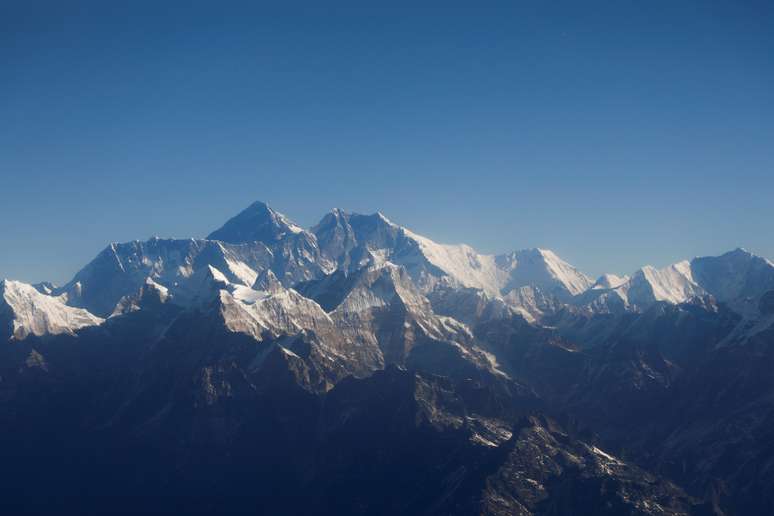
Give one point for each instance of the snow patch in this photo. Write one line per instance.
(35, 313)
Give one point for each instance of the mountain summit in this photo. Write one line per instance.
(380, 372)
(256, 223)
(260, 242)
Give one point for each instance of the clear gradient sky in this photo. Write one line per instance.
(615, 133)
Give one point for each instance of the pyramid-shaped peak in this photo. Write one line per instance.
(740, 253)
(257, 222)
(335, 217)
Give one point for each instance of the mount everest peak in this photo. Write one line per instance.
(261, 249)
(388, 341)
(256, 223)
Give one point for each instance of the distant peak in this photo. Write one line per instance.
(741, 251)
(336, 215)
(261, 208)
(257, 222)
(536, 253)
(259, 204)
(258, 207)
(529, 251)
(547, 253)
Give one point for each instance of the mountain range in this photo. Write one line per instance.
(359, 368)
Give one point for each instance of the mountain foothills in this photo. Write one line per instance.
(359, 368)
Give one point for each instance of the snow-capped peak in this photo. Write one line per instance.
(355, 240)
(542, 268)
(462, 263)
(737, 277)
(34, 313)
(257, 222)
(673, 283)
(607, 281)
(573, 280)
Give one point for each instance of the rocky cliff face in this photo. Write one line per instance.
(377, 372)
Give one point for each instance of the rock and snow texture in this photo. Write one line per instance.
(279, 311)
(223, 322)
(543, 269)
(462, 263)
(295, 253)
(737, 278)
(354, 240)
(260, 239)
(609, 281)
(257, 223)
(673, 284)
(150, 295)
(34, 313)
(262, 251)
(122, 269)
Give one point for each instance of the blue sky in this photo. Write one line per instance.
(615, 133)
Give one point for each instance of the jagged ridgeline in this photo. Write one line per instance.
(359, 368)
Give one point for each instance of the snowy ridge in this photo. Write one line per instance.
(122, 269)
(258, 222)
(34, 313)
(357, 240)
(543, 269)
(149, 294)
(462, 263)
(261, 265)
(282, 312)
(571, 278)
(673, 284)
(609, 281)
(737, 278)
(379, 286)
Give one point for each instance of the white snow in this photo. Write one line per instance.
(248, 295)
(468, 268)
(279, 311)
(609, 281)
(572, 279)
(543, 269)
(463, 264)
(242, 271)
(34, 313)
(673, 283)
(285, 222)
(378, 287)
